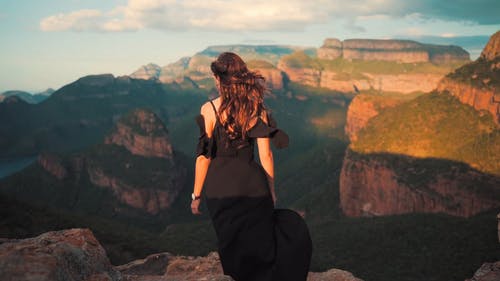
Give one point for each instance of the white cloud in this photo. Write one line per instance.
(78, 21)
(247, 15)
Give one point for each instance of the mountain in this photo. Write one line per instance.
(133, 173)
(350, 66)
(374, 65)
(478, 83)
(29, 98)
(197, 67)
(438, 152)
(80, 113)
(404, 51)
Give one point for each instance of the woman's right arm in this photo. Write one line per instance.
(267, 161)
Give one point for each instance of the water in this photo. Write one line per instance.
(9, 166)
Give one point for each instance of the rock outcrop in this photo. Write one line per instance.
(52, 164)
(404, 51)
(149, 71)
(478, 83)
(492, 48)
(480, 98)
(144, 175)
(382, 184)
(142, 133)
(73, 254)
(487, 272)
(361, 109)
(304, 70)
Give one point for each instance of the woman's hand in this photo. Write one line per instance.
(195, 205)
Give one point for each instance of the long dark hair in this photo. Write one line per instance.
(242, 93)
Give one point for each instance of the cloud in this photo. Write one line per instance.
(264, 15)
(78, 21)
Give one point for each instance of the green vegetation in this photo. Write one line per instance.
(131, 120)
(259, 64)
(356, 69)
(149, 172)
(481, 73)
(434, 125)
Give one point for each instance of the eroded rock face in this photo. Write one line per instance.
(487, 272)
(492, 49)
(405, 51)
(376, 185)
(149, 71)
(73, 254)
(478, 83)
(52, 164)
(142, 133)
(480, 98)
(401, 83)
(187, 268)
(361, 109)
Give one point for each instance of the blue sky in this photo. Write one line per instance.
(54, 42)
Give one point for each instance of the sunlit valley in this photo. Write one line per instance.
(394, 155)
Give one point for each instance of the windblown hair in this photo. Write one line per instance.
(242, 94)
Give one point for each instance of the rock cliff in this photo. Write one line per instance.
(478, 83)
(142, 133)
(383, 184)
(362, 108)
(75, 254)
(404, 51)
(149, 71)
(492, 48)
(136, 162)
(52, 164)
(416, 157)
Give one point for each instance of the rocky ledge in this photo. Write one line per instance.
(75, 254)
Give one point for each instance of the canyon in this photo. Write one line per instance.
(144, 136)
(395, 180)
(282, 69)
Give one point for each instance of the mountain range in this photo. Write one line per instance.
(407, 167)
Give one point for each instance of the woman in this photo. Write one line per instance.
(255, 241)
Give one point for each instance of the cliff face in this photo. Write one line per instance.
(492, 48)
(428, 163)
(404, 51)
(479, 98)
(52, 164)
(149, 71)
(361, 109)
(478, 83)
(150, 200)
(145, 177)
(142, 133)
(375, 185)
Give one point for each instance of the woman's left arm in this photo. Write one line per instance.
(202, 162)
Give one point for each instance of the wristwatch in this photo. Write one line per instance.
(193, 197)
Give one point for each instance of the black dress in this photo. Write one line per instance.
(255, 241)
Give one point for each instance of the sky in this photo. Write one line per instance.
(51, 43)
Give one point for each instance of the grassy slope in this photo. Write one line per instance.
(434, 125)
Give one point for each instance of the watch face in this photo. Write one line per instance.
(192, 196)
